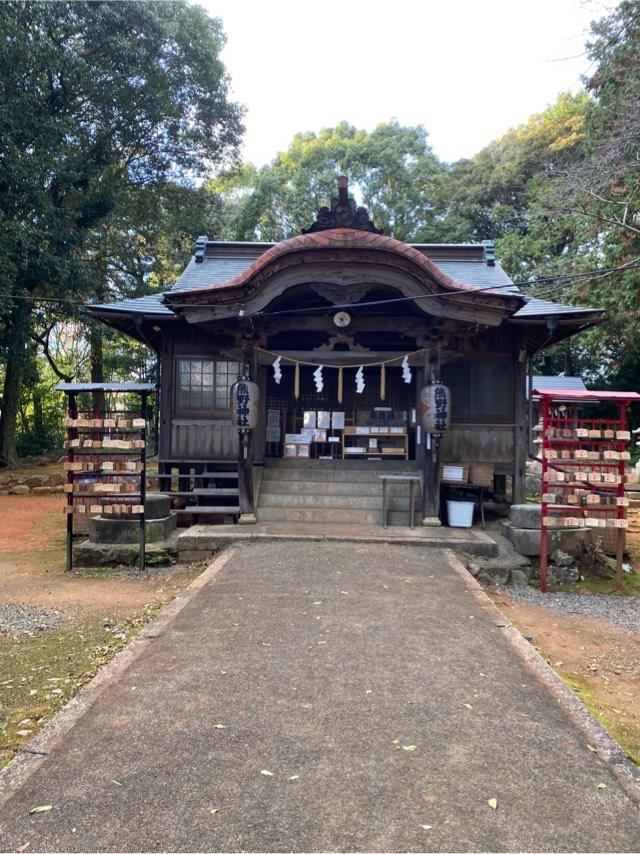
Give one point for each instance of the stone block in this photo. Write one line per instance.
(525, 516)
(120, 529)
(494, 574)
(527, 540)
(20, 489)
(42, 490)
(36, 480)
(561, 558)
(519, 578)
(157, 506)
(194, 555)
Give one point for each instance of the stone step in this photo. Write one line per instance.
(340, 515)
(207, 511)
(340, 465)
(345, 502)
(344, 475)
(330, 487)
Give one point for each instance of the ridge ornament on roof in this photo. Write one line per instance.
(343, 213)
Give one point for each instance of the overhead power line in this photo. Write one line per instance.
(558, 281)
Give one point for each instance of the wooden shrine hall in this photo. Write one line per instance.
(337, 332)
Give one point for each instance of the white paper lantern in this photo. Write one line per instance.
(435, 408)
(245, 400)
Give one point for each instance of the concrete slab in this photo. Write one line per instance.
(328, 697)
(204, 540)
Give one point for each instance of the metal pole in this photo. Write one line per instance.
(72, 412)
(621, 514)
(544, 546)
(143, 477)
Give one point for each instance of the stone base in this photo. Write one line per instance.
(527, 540)
(108, 530)
(123, 554)
(431, 522)
(525, 516)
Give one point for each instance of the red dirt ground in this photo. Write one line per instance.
(32, 561)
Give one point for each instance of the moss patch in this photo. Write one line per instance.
(40, 674)
(627, 736)
(603, 585)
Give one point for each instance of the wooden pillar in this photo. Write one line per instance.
(245, 478)
(520, 422)
(430, 455)
(246, 447)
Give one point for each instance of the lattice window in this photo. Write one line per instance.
(203, 384)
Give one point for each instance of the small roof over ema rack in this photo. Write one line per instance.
(566, 395)
(76, 388)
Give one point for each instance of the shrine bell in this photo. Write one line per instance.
(435, 408)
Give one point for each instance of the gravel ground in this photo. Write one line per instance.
(623, 612)
(19, 621)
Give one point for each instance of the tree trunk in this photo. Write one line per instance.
(97, 366)
(16, 359)
(568, 363)
(39, 428)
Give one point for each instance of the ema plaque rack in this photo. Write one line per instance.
(106, 458)
(583, 469)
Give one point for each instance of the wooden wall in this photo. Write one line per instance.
(185, 437)
(203, 439)
(486, 443)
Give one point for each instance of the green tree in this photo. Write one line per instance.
(97, 99)
(490, 195)
(392, 170)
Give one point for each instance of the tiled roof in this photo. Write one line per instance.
(128, 386)
(225, 262)
(535, 307)
(335, 238)
(564, 383)
(594, 396)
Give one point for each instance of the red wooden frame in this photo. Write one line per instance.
(551, 426)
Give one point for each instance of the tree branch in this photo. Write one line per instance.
(43, 340)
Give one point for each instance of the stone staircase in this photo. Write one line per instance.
(333, 491)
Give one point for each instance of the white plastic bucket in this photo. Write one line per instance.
(460, 514)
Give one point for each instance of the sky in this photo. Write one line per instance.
(467, 71)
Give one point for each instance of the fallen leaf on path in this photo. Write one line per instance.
(592, 749)
(267, 773)
(602, 785)
(35, 810)
(493, 803)
(426, 826)
(294, 777)
(116, 782)
(410, 747)
(214, 810)
(24, 847)
(467, 706)
(219, 726)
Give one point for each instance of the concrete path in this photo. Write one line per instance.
(324, 697)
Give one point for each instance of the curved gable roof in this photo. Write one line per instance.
(336, 239)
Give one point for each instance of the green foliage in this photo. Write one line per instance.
(391, 170)
(105, 108)
(489, 196)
